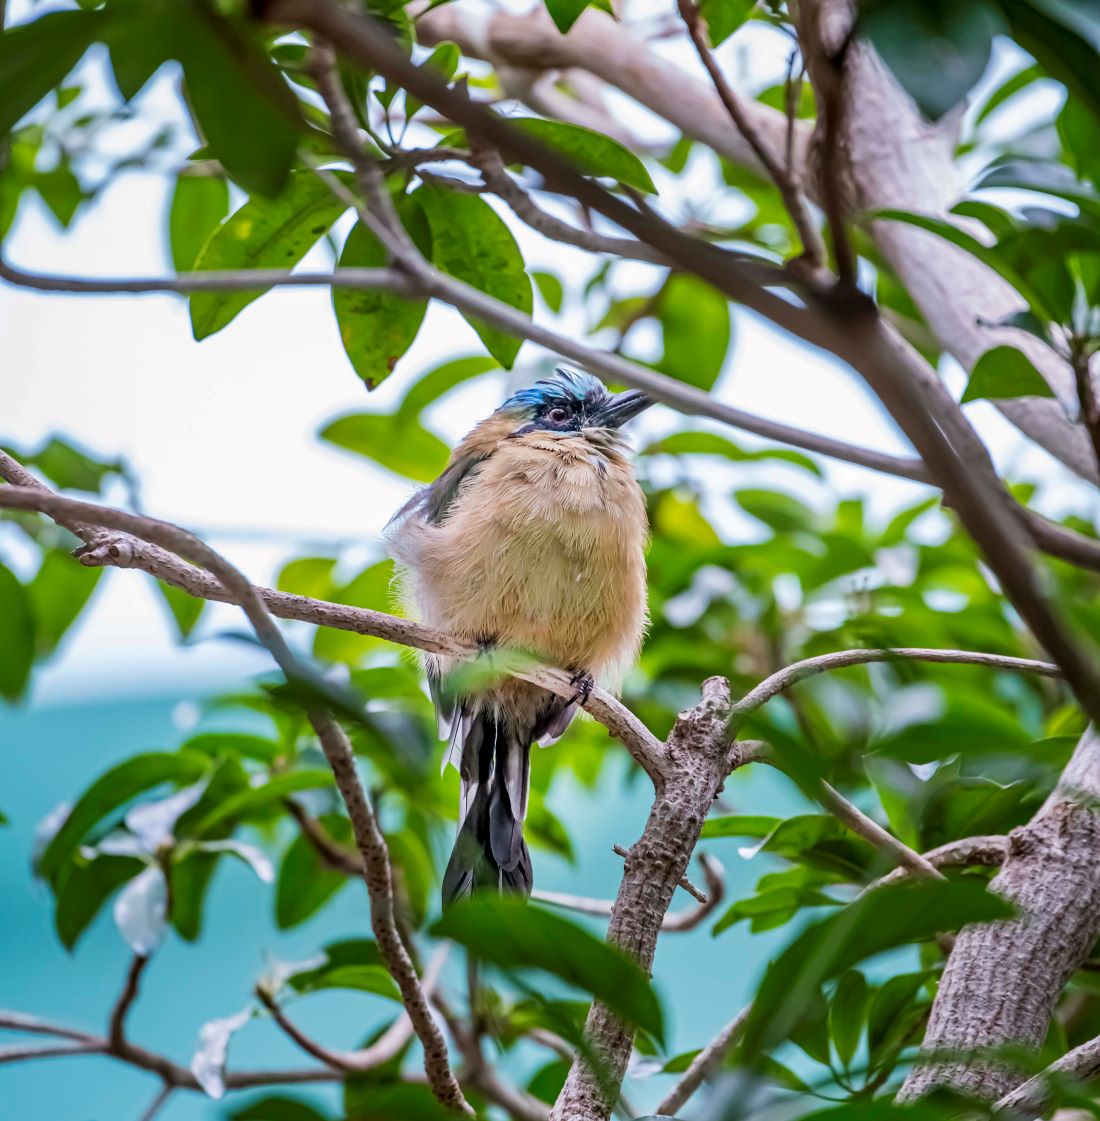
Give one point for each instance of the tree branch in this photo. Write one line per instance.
(704, 1065)
(1033, 1097)
(233, 280)
(134, 552)
(700, 751)
(378, 875)
(781, 173)
(841, 659)
(678, 922)
(116, 1029)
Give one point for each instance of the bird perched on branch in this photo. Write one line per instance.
(533, 538)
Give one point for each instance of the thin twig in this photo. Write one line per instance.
(809, 667)
(704, 1065)
(378, 876)
(230, 280)
(683, 882)
(1033, 1097)
(813, 249)
(673, 921)
(1081, 361)
(966, 852)
(382, 1050)
(116, 1024)
(158, 1102)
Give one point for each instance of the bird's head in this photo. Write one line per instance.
(571, 403)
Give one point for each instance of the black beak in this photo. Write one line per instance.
(620, 408)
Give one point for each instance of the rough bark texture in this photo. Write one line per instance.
(699, 760)
(1003, 979)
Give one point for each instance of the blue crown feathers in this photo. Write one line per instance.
(566, 385)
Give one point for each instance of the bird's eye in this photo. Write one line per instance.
(558, 415)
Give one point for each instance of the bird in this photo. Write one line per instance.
(533, 538)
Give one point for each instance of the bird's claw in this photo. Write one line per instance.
(584, 683)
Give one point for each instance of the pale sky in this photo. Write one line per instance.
(222, 433)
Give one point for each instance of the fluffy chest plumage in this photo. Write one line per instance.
(543, 548)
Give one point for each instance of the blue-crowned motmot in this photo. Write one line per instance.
(532, 537)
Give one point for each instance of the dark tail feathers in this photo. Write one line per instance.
(489, 852)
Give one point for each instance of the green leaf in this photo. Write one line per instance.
(444, 62)
(724, 17)
(589, 151)
(696, 329)
(892, 1002)
(186, 610)
(402, 447)
(371, 588)
(60, 190)
(306, 883)
(199, 204)
(740, 825)
(435, 383)
(70, 468)
(278, 1107)
(246, 111)
(514, 935)
(781, 512)
(113, 789)
(247, 802)
(710, 443)
(190, 881)
(17, 637)
(58, 593)
(264, 233)
(879, 920)
(366, 1100)
(376, 327)
(937, 49)
(1008, 89)
(565, 13)
(85, 887)
(36, 56)
(220, 744)
(472, 243)
(362, 978)
(846, 1014)
(308, 576)
(771, 908)
(550, 288)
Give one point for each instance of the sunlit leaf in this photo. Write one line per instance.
(404, 448)
(199, 204)
(695, 328)
(591, 152)
(376, 327)
(264, 233)
(472, 243)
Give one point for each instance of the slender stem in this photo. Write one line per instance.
(841, 659)
(116, 1030)
(813, 250)
(1086, 395)
(704, 1065)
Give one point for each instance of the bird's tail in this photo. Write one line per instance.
(495, 766)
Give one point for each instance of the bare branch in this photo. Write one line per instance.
(700, 748)
(1086, 395)
(233, 280)
(21, 1053)
(704, 1065)
(157, 1104)
(116, 1030)
(790, 675)
(673, 922)
(813, 250)
(968, 851)
(32, 1025)
(378, 876)
(1033, 1097)
(385, 1048)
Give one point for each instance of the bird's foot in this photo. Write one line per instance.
(584, 683)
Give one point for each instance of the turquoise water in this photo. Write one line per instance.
(49, 753)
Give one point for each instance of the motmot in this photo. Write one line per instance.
(532, 538)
